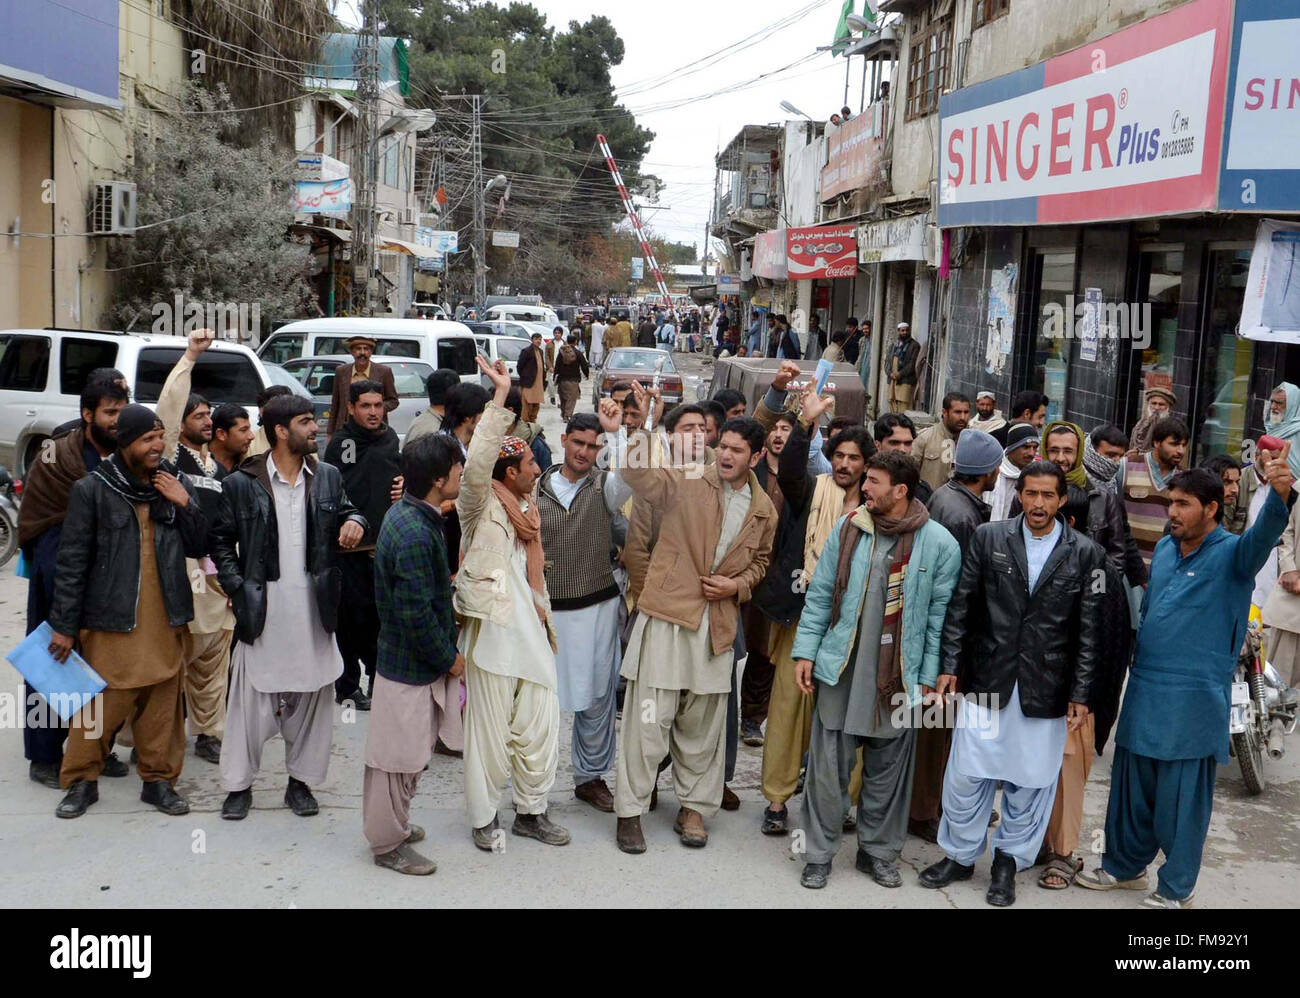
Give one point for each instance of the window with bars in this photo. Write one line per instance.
(928, 65)
(988, 10)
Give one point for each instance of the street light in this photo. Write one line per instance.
(858, 23)
(791, 109)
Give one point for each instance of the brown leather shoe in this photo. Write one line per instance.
(595, 793)
(730, 802)
(629, 837)
(690, 826)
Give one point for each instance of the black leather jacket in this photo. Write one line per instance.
(1048, 642)
(1108, 528)
(97, 580)
(777, 597)
(959, 510)
(245, 542)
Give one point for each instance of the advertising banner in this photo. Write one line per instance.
(769, 256)
(852, 154)
(821, 251)
(1128, 126)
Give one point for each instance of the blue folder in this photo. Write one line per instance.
(67, 686)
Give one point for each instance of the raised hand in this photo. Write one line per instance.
(610, 415)
(170, 488)
(814, 407)
(199, 340)
(786, 373)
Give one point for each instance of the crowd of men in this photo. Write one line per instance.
(927, 621)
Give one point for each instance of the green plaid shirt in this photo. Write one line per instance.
(417, 629)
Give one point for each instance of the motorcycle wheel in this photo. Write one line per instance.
(8, 539)
(1248, 747)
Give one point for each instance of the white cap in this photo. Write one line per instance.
(985, 395)
(904, 325)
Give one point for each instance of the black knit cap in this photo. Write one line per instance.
(133, 422)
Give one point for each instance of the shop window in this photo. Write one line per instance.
(985, 11)
(1050, 363)
(1160, 287)
(1225, 367)
(928, 66)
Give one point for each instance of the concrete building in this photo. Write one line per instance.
(326, 126)
(1100, 171)
(74, 74)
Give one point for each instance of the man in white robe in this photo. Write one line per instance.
(512, 714)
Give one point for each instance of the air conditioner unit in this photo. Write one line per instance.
(410, 216)
(113, 213)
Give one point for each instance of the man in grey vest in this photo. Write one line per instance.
(581, 529)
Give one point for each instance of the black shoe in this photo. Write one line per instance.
(208, 748)
(115, 767)
(44, 773)
(751, 733)
(80, 796)
(135, 757)
(1002, 888)
(943, 873)
(815, 875)
(160, 794)
(882, 871)
(236, 805)
(359, 700)
(298, 796)
(774, 822)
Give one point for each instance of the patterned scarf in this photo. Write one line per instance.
(889, 661)
(1101, 470)
(113, 473)
(528, 528)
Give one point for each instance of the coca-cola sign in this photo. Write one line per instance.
(821, 251)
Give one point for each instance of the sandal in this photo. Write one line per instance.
(1061, 868)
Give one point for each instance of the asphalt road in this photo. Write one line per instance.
(123, 853)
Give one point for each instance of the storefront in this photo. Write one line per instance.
(1095, 250)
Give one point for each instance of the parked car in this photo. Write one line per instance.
(507, 348)
(315, 375)
(443, 343)
(501, 327)
(637, 364)
(523, 313)
(42, 372)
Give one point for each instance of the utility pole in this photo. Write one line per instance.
(480, 237)
(363, 208)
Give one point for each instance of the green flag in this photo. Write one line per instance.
(841, 41)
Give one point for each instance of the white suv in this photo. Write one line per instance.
(42, 372)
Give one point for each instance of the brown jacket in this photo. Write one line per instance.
(643, 523)
(343, 378)
(691, 505)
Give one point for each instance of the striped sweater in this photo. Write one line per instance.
(1146, 502)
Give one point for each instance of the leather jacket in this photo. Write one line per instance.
(959, 510)
(97, 581)
(245, 541)
(1048, 642)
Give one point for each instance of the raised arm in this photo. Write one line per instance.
(1255, 545)
(484, 448)
(176, 391)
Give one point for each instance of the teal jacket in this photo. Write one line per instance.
(932, 575)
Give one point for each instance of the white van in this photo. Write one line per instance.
(523, 313)
(42, 372)
(440, 343)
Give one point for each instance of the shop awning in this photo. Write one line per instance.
(402, 246)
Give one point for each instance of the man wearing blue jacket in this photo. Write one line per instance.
(868, 646)
(1173, 727)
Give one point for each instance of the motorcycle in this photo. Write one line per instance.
(10, 490)
(1263, 709)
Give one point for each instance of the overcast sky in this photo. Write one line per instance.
(668, 36)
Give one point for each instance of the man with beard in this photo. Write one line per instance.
(1019, 451)
(231, 435)
(1173, 728)
(366, 451)
(71, 456)
(869, 639)
(1160, 403)
(122, 591)
(902, 375)
(987, 416)
(274, 545)
(570, 368)
(1146, 482)
(813, 504)
(578, 505)
(188, 421)
(1023, 633)
(936, 445)
(361, 369)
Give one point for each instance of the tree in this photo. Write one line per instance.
(212, 219)
(548, 95)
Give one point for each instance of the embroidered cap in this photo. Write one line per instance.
(512, 447)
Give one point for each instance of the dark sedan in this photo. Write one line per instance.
(637, 364)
